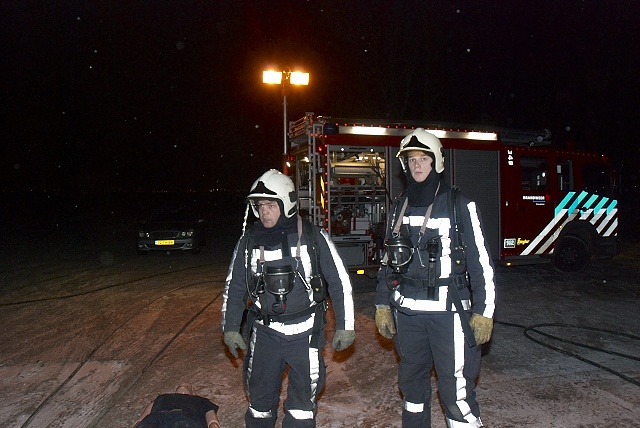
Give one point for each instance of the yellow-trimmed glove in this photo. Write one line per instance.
(384, 322)
(342, 339)
(233, 340)
(482, 328)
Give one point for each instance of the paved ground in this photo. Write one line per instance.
(90, 333)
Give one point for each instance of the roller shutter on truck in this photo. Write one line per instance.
(476, 172)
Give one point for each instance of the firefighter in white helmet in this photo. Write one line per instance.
(284, 267)
(436, 289)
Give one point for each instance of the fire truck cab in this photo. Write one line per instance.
(537, 203)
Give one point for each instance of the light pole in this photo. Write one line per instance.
(285, 78)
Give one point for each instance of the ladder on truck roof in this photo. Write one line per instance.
(299, 130)
(525, 138)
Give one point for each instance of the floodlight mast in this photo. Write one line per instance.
(285, 78)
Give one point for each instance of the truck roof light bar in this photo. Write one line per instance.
(400, 132)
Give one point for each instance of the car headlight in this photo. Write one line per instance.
(143, 234)
(188, 232)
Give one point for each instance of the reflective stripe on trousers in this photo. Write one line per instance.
(268, 357)
(423, 341)
(413, 407)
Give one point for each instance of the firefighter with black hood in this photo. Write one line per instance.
(283, 268)
(436, 289)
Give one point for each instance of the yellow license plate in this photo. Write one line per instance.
(165, 242)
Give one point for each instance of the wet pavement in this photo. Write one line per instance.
(91, 334)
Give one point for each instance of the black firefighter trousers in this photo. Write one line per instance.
(266, 360)
(429, 339)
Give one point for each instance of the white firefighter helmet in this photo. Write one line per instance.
(274, 185)
(423, 141)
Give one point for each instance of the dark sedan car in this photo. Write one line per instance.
(172, 230)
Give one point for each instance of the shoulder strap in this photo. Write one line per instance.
(458, 253)
(248, 244)
(310, 234)
(458, 228)
(317, 282)
(397, 211)
(248, 248)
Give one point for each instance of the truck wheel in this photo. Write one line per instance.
(571, 254)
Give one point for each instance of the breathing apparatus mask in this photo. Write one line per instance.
(400, 252)
(279, 281)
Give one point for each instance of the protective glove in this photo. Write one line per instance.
(233, 340)
(384, 322)
(482, 328)
(342, 339)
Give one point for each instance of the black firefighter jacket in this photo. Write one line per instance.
(239, 283)
(412, 298)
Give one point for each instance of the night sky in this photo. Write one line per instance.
(146, 95)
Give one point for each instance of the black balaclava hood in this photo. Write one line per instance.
(270, 237)
(422, 194)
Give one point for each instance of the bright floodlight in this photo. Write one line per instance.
(272, 77)
(282, 77)
(299, 78)
(294, 77)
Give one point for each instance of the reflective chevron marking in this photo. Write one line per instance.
(600, 211)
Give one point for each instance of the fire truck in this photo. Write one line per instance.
(538, 204)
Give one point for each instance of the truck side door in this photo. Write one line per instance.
(530, 203)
